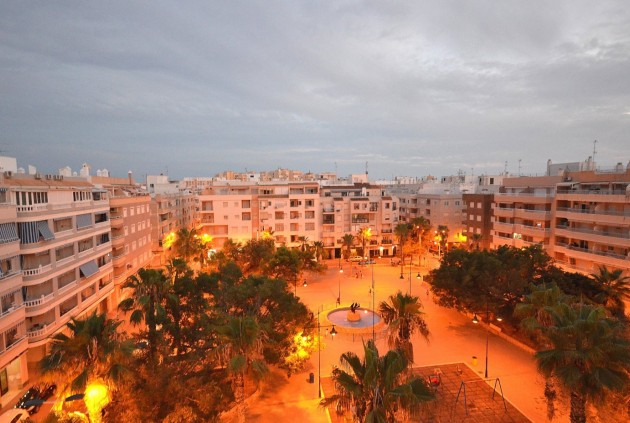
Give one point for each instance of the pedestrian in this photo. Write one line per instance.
(427, 292)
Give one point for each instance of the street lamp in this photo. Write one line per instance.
(339, 286)
(333, 332)
(475, 320)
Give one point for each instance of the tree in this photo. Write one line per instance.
(420, 232)
(401, 231)
(187, 244)
(589, 354)
(241, 349)
(442, 233)
(615, 290)
(364, 235)
(403, 315)
(319, 249)
(285, 264)
(375, 386)
(146, 303)
(475, 241)
(256, 254)
(535, 313)
(93, 353)
(347, 242)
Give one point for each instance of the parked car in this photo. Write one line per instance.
(395, 261)
(47, 391)
(14, 415)
(25, 402)
(355, 258)
(365, 262)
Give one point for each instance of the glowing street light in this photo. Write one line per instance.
(475, 320)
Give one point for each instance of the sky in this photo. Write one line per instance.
(411, 88)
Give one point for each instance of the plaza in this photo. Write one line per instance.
(454, 339)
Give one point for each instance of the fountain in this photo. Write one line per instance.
(354, 319)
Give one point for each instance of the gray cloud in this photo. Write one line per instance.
(412, 88)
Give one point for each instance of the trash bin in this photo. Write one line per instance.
(474, 360)
(311, 378)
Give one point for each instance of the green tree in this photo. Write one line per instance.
(285, 264)
(615, 290)
(404, 316)
(535, 314)
(376, 386)
(256, 254)
(475, 241)
(421, 235)
(93, 352)
(241, 343)
(401, 231)
(347, 243)
(589, 354)
(364, 235)
(149, 288)
(442, 233)
(319, 250)
(187, 244)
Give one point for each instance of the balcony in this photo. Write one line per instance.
(40, 330)
(617, 218)
(621, 239)
(37, 271)
(39, 301)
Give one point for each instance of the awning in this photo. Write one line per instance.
(44, 230)
(89, 268)
(84, 220)
(8, 232)
(29, 233)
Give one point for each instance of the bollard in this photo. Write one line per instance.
(474, 361)
(311, 377)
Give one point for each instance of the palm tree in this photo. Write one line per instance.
(303, 242)
(442, 232)
(376, 386)
(364, 235)
(94, 352)
(187, 244)
(475, 240)
(402, 314)
(241, 348)
(420, 230)
(149, 289)
(401, 231)
(535, 313)
(615, 290)
(589, 354)
(319, 249)
(347, 242)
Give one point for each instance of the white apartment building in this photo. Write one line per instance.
(55, 258)
(242, 211)
(349, 208)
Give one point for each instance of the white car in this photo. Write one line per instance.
(355, 258)
(14, 415)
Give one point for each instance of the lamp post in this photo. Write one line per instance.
(475, 320)
(339, 286)
(333, 332)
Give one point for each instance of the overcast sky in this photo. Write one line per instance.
(413, 88)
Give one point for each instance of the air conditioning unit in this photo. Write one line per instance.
(49, 176)
(38, 176)
(58, 177)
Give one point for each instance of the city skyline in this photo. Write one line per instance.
(410, 89)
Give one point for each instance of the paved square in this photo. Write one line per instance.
(475, 404)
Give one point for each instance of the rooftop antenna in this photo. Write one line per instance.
(519, 167)
(505, 168)
(366, 168)
(594, 151)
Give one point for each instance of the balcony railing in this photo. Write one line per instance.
(589, 211)
(38, 301)
(599, 253)
(623, 235)
(37, 271)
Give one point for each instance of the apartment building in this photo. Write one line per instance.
(349, 208)
(478, 215)
(523, 211)
(242, 211)
(60, 265)
(591, 220)
(130, 215)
